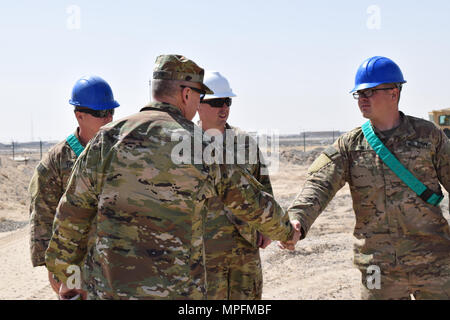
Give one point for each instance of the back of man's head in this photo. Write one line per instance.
(171, 71)
(162, 89)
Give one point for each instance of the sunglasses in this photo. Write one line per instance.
(217, 103)
(202, 92)
(368, 93)
(97, 113)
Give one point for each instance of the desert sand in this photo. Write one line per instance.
(320, 267)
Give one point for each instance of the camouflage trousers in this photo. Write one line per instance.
(399, 284)
(234, 275)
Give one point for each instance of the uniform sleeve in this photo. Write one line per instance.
(75, 213)
(326, 176)
(244, 196)
(260, 173)
(443, 161)
(45, 190)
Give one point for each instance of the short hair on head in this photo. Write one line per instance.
(164, 88)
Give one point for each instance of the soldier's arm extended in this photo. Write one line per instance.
(260, 173)
(325, 177)
(443, 161)
(45, 190)
(75, 213)
(243, 195)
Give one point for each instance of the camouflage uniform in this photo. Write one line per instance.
(233, 263)
(407, 238)
(46, 188)
(149, 210)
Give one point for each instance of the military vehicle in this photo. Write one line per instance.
(442, 119)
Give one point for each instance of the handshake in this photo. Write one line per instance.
(264, 241)
(290, 244)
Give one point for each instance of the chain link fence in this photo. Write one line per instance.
(25, 151)
(309, 139)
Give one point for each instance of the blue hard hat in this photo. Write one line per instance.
(375, 71)
(94, 93)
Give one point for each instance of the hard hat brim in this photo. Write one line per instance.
(369, 85)
(111, 105)
(220, 95)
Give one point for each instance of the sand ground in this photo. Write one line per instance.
(320, 268)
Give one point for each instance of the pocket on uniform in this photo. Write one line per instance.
(364, 171)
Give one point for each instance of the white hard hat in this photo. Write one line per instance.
(217, 83)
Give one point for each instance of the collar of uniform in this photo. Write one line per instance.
(404, 130)
(162, 106)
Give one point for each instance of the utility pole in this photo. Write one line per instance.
(304, 141)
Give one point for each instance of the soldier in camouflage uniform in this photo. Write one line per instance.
(147, 195)
(233, 263)
(407, 238)
(94, 107)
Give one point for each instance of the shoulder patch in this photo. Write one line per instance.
(41, 169)
(327, 156)
(319, 163)
(33, 187)
(331, 152)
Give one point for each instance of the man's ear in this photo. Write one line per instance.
(395, 94)
(185, 95)
(79, 115)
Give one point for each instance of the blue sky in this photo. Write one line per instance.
(291, 63)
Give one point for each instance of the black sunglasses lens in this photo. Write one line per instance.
(104, 113)
(218, 103)
(97, 113)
